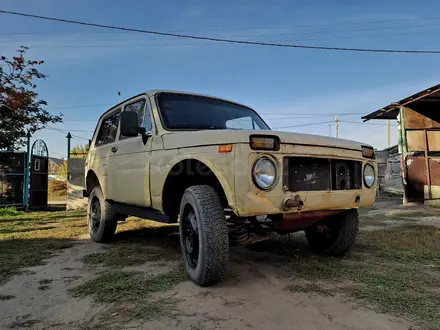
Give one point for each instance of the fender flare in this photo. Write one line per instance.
(229, 193)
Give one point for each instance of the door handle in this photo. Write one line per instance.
(114, 149)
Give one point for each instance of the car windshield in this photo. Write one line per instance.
(192, 112)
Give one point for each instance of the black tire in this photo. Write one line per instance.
(101, 218)
(201, 206)
(335, 235)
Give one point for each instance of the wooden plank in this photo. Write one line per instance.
(415, 140)
(434, 140)
(414, 119)
(428, 173)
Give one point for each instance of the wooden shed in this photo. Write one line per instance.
(418, 117)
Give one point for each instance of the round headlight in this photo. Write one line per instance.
(264, 173)
(369, 175)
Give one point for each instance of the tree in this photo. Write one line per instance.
(20, 107)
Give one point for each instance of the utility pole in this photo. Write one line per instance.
(337, 126)
(389, 133)
(329, 129)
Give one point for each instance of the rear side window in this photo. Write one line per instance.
(109, 128)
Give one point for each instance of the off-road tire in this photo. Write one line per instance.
(343, 230)
(213, 253)
(107, 220)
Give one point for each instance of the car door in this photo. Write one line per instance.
(131, 160)
(101, 154)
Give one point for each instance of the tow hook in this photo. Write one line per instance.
(290, 203)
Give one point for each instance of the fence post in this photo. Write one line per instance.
(69, 137)
(27, 171)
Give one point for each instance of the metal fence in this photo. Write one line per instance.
(12, 179)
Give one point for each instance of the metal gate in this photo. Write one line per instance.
(39, 168)
(12, 179)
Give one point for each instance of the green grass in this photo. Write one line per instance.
(132, 292)
(410, 243)
(28, 238)
(395, 270)
(409, 214)
(9, 212)
(135, 247)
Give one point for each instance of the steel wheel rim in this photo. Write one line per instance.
(95, 214)
(190, 233)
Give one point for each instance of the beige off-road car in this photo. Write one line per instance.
(215, 167)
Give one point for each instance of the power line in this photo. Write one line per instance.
(76, 130)
(313, 124)
(269, 27)
(233, 41)
(79, 106)
(382, 35)
(65, 132)
(285, 33)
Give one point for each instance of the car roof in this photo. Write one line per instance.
(153, 92)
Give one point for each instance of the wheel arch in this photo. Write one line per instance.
(185, 172)
(92, 181)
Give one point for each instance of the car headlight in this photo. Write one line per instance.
(264, 173)
(369, 175)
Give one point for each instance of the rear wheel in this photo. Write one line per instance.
(335, 235)
(101, 218)
(203, 235)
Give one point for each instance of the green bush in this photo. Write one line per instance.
(9, 212)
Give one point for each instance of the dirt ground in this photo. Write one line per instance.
(87, 285)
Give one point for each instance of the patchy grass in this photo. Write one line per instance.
(132, 291)
(409, 214)
(312, 287)
(23, 321)
(27, 239)
(4, 297)
(366, 209)
(137, 247)
(395, 270)
(116, 286)
(9, 212)
(410, 243)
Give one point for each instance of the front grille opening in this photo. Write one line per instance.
(319, 174)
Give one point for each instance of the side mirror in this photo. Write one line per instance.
(129, 123)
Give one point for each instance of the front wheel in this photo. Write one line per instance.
(335, 235)
(203, 235)
(101, 218)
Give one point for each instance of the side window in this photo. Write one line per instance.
(109, 128)
(242, 123)
(139, 107)
(144, 115)
(143, 112)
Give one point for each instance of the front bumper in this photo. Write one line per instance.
(252, 204)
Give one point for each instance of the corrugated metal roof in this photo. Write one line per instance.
(392, 111)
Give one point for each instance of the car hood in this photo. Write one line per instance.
(215, 137)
